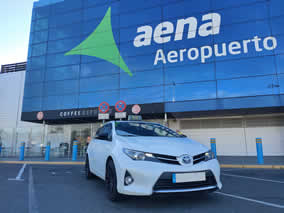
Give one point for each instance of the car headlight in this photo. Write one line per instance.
(209, 155)
(135, 155)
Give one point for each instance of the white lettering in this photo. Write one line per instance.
(256, 41)
(160, 56)
(173, 56)
(274, 43)
(234, 48)
(145, 38)
(207, 28)
(245, 44)
(203, 51)
(161, 30)
(224, 50)
(181, 52)
(196, 54)
(192, 27)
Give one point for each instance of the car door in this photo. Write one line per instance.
(91, 151)
(103, 146)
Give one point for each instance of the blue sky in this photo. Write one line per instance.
(15, 19)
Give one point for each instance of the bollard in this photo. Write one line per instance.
(22, 151)
(259, 151)
(75, 150)
(47, 151)
(213, 146)
(0, 147)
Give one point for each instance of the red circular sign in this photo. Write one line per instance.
(104, 107)
(136, 109)
(40, 116)
(120, 106)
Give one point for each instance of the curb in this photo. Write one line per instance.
(252, 166)
(232, 166)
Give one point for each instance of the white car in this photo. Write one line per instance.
(142, 158)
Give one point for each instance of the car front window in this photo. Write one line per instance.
(144, 129)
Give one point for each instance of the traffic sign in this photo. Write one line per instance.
(120, 115)
(104, 116)
(104, 107)
(120, 106)
(136, 109)
(40, 116)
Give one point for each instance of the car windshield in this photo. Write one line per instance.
(132, 129)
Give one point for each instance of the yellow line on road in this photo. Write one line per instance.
(241, 166)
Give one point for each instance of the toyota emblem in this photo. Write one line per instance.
(185, 160)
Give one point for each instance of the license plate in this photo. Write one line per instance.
(188, 177)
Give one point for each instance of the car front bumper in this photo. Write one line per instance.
(152, 177)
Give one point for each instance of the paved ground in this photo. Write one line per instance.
(232, 160)
(48, 188)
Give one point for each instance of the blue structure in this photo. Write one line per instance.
(47, 152)
(22, 151)
(75, 150)
(188, 56)
(213, 146)
(259, 151)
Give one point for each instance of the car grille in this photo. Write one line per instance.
(173, 160)
(198, 158)
(165, 182)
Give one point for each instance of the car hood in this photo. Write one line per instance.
(163, 145)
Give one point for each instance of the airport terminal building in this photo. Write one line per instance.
(210, 68)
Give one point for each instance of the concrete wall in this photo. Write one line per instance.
(242, 141)
(11, 98)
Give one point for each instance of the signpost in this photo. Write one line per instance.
(120, 106)
(136, 109)
(104, 109)
(120, 115)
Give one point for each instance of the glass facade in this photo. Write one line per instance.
(190, 55)
(61, 138)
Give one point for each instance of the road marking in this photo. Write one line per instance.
(42, 163)
(33, 207)
(252, 178)
(251, 200)
(18, 178)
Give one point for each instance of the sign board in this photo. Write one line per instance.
(134, 117)
(40, 116)
(104, 107)
(136, 109)
(103, 116)
(120, 115)
(120, 106)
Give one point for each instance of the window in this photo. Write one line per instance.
(105, 133)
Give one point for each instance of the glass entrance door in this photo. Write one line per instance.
(80, 133)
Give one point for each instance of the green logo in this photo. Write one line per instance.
(101, 44)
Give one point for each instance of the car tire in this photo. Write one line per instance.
(88, 172)
(111, 182)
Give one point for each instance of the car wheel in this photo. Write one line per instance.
(111, 182)
(88, 172)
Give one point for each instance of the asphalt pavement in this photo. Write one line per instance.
(55, 188)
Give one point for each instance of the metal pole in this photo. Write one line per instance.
(166, 119)
(259, 151)
(22, 151)
(213, 146)
(47, 151)
(75, 150)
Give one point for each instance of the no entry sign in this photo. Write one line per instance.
(104, 107)
(120, 106)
